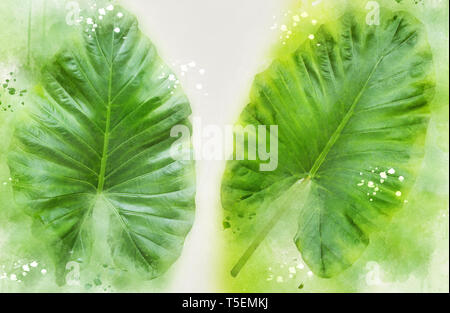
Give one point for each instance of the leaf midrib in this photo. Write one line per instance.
(317, 164)
(337, 133)
(101, 179)
(321, 159)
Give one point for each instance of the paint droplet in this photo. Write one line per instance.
(117, 30)
(120, 15)
(44, 271)
(401, 178)
(398, 193)
(383, 175)
(391, 171)
(310, 274)
(34, 264)
(311, 37)
(371, 184)
(102, 11)
(110, 7)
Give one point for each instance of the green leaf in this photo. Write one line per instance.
(92, 160)
(352, 107)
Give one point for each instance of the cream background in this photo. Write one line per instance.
(230, 40)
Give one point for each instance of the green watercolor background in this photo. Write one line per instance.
(411, 254)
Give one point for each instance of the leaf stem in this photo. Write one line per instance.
(334, 138)
(101, 180)
(286, 203)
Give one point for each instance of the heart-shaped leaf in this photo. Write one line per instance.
(92, 158)
(352, 106)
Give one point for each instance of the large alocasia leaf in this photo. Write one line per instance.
(92, 158)
(352, 107)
